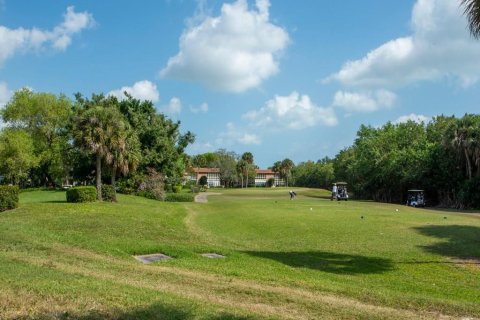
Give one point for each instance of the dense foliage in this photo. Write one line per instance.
(8, 197)
(81, 194)
(48, 140)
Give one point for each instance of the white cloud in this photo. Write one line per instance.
(368, 101)
(234, 135)
(203, 108)
(232, 52)
(23, 40)
(440, 46)
(293, 112)
(174, 106)
(142, 90)
(418, 118)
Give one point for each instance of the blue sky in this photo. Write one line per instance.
(277, 78)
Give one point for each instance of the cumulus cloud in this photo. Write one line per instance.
(234, 135)
(142, 90)
(368, 101)
(203, 108)
(22, 40)
(232, 52)
(174, 106)
(440, 46)
(418, 118)
(294, 111)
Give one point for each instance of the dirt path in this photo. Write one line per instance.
(202, 197)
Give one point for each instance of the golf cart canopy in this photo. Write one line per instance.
(341, 183)
(415, 190)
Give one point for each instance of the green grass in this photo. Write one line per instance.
(302, 259)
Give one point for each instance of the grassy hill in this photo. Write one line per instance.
(302, 259)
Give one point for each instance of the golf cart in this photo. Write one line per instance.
(416, 198)
(339, 191)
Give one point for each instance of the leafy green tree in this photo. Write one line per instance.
(17, 155)
(45, 117)
(162, 144)
(205, 160)
(227, 165)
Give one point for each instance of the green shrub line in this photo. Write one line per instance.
(82, 194)
(179, 197)
(8, 197)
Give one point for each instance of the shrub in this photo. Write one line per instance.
(82, 194)
(179, 197)
(107, 192)
(469, 195)
(8, 197)
(153, 185)
(270, 182)
(203, 181)
(177, 189)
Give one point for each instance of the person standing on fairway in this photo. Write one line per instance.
(334, 191)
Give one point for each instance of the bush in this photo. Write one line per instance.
(179, 197)
(270, 182)
(107, 192)
(177, 189)
(82, 194)
(152, 186)
(203, 181)
(469, 195)
(8, 197)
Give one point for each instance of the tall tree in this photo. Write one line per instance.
(125, 152)
(472, 11)
(162, 144)
(247, 157)
(45, 117)
(286, 169)
(94, 130)
(227, 165)
(17, 155)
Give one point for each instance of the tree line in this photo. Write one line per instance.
(442, 157)
(49, 139)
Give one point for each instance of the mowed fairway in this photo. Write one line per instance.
(307, 258)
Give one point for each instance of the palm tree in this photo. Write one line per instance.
(93, 130)
(277, 167)
(241, 165)
(125, 152)
(247, 157)
(286, 168)
(464, 142)
(472, 11)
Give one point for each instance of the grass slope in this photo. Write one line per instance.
(301, 259)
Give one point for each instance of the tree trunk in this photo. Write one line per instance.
(99, 177)
(246, 178)
(469, 164)
(114, 190)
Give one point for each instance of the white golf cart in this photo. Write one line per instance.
(416, 198)
(339, 191)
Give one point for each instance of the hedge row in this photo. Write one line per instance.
(179, 197)
(107, 192)
(8, 197)
(82, 194)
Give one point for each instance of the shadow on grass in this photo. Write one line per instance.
(154, 311)
(461, 242)
(328, 262)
